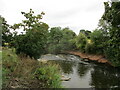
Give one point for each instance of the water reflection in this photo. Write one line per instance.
(82, 69)
(66, 66)
(105, 77)
(89, 75)
(86, 76)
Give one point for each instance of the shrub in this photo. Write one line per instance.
(49, 75)
(89, 48)
(19, 72)
(98, 39)
(81, 41)
(33, 41)
(113, 54)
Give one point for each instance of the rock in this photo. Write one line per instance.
(43, 60)
(86, 60)
(65, 79)
(13, 87)
(84, 63)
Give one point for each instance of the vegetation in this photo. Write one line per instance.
(48, 75)
(24, 72)
(22, 50)
(81, 41)
(33, 42)
(61, 40)
(6, 34)
(112, 17)
(105, 39)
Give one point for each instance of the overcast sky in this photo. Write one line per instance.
(75, 14)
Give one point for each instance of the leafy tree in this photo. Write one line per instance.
(86, 32)
(55, 36)
(68, 39)
(112, 18)
(97, 42)
(33, 42)
(61, 40)
(81, 41)
(6, 34)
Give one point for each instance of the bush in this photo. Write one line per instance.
(113, 54)
(61, 40)
(98, 39)
(24, 72)
(54, 49)
(33, 41)
(90, 48)
(81, 41)
(49, 75)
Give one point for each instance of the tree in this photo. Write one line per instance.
(85, 32)
(6, 34)
(33, 42)
(68, 39)
(55, 36)
(81, 41)
(61, 40)
(112, 18)
(98, 41)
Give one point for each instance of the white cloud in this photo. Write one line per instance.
(76, 14)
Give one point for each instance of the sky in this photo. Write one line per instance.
(75, 14)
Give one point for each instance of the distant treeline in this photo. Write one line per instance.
(38, 39)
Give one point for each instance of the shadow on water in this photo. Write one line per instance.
(83, 69)
(88, 75)
(105, 77)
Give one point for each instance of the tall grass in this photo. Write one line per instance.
(24, 72)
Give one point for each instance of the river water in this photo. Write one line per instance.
(83, 74)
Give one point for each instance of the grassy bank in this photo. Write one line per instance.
(24, 72)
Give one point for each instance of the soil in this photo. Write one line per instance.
(92, 57)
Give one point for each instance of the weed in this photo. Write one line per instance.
(24, 72)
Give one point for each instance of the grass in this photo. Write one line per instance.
(24, 72)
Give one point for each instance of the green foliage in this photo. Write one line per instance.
(113, 54)
(9, 61)
(6, 34)
(98, 41)
(85, 32)
(33, 42)
(61, 40)
(25, 71)
(68, 38)
(49, 75)
(55, 35)
(81, 41)
(112, 18)
(89, 47)
(9, 57)
(112, 14)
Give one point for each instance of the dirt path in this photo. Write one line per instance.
(98, 58)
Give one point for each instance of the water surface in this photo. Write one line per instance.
(84, 74)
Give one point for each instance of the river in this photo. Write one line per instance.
(84, 74)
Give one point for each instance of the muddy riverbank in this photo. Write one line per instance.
(91, 57)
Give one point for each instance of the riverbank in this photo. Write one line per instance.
(91, 57)
(19, 71)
